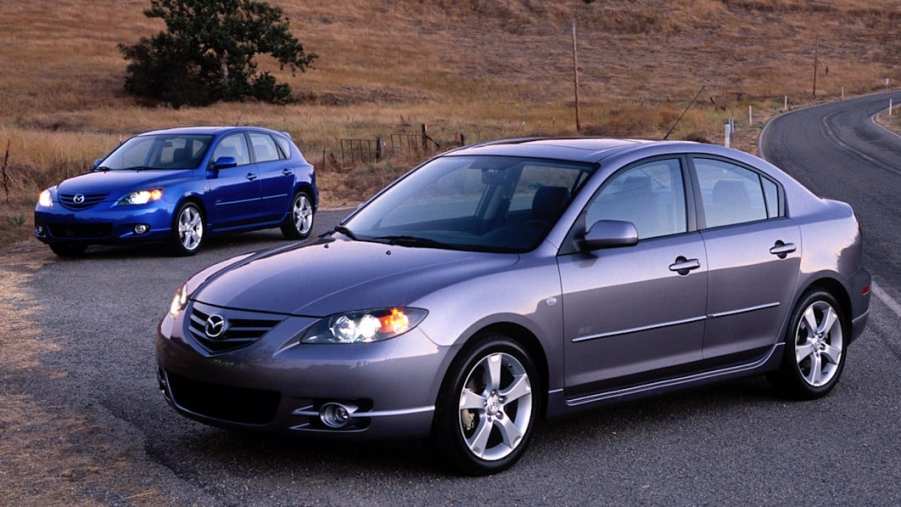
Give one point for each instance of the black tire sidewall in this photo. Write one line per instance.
(791, 374)
(447, 435)
(176, 245)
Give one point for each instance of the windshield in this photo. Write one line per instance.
(486, 203)
(163, 151)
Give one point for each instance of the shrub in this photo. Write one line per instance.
(207, 53)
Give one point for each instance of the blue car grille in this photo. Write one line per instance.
(238, 333)
(85, 201)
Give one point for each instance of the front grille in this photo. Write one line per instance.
(86, 230)
(238, 333)
(68, 200)
(236, 404)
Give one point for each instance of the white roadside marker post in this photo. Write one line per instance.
(785, 104)
(727, 134)
(750, 115)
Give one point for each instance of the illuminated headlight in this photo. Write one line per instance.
(45, 199)
(178, 301)
(141, 197)
(364, 326)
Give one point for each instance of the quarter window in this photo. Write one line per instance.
(731, 194)
(264, 149)
(233, 146)
(650, 195)
(285, 146)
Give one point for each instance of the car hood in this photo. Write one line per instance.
(321, 279)
(113, 182)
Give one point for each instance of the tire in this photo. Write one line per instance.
(188, 230)
(300, 220)
(457, 432)
(810, 368)
(68, 250)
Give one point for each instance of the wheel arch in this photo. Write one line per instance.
(835, 287)
(520, 334)
(832, 285)
(193, 199)
(307, 187)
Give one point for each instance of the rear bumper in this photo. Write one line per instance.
(392, 384)
(101, 224)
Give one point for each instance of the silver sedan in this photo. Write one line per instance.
(509, 281)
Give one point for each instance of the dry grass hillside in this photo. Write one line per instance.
(483, 68)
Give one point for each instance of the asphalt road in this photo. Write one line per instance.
(81, 418)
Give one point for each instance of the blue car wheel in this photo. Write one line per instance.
(188, 233)
(299, 222)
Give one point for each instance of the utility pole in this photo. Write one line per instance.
(816, 62)
(576, 78)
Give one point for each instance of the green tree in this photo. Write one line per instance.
(208, 53)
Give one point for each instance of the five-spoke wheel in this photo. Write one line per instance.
(495, 406)
(815, 347)
(189, 228)
(299, 222)
(488, 406)
(818, 343)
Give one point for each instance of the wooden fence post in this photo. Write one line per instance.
(425, 138)
(378, 148)
(5, 173)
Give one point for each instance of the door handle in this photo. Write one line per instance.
(683, 266)
(286, 171)
(251, 176)
(783, 249)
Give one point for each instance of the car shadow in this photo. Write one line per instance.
(235, 450)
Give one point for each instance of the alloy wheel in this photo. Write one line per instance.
(495, 406)
(819, 343)
(303, 214)
(190, 228)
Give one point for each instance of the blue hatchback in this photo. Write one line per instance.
(178, 187)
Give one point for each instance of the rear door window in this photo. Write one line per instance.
(730, 194)
(264, 149)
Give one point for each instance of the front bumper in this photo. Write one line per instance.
(264, 386)
(103, 223)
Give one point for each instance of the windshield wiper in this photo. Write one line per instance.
(343, 230)
(404, 240)
(138, 168)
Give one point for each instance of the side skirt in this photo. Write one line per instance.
(561, 403)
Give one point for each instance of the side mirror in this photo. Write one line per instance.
(609, 234)
(96, 164)
(224, 163)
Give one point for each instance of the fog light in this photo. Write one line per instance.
(141, 228)
(39, 230)
(335, 415)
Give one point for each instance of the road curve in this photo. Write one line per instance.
(839, 152)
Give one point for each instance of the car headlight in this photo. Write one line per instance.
(364, 326)
(45, 199)
(179, 301)
(141, 197)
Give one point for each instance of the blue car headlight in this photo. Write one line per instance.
(45, 199)
(141, 197)
(364, 326)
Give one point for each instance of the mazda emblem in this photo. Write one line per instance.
(78, 199)
(215, 326)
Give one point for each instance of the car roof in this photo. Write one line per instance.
(212, 130)
(576, 149)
